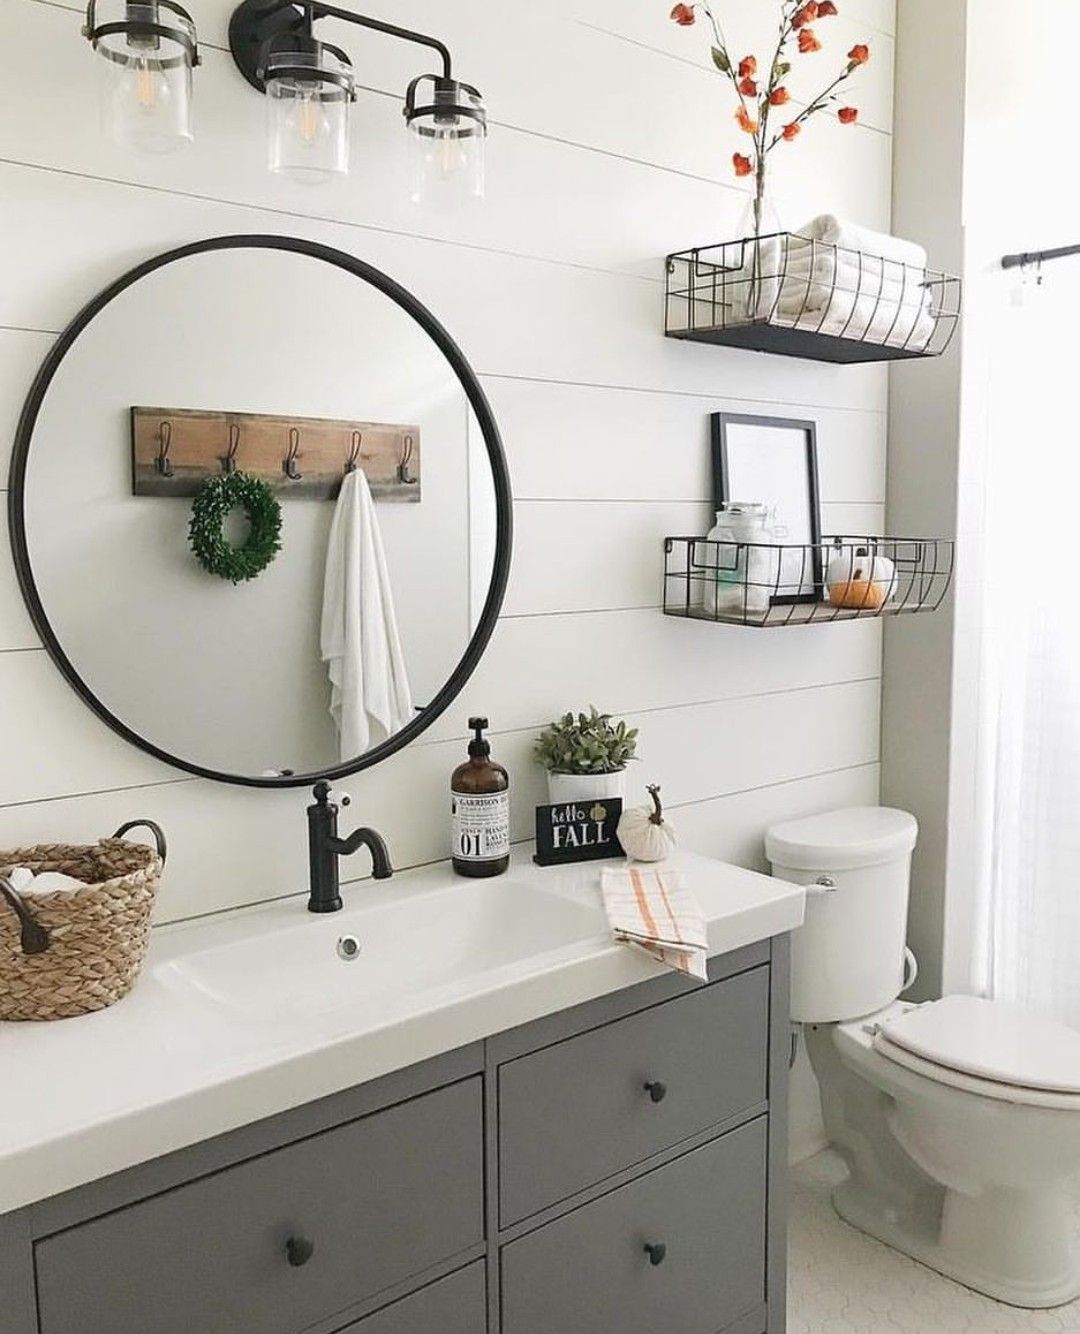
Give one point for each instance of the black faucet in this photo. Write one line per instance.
(324, 849)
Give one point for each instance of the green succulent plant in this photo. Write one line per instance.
(586, 743)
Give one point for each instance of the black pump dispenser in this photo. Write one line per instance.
(480, 808)
(479, 746)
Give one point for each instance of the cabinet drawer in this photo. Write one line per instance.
(590, 1271)
(454, 1305)
(577, 1112)
(381, 1199)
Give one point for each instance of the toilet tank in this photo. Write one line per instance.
(848, 958)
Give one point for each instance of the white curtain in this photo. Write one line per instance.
(1029, 950)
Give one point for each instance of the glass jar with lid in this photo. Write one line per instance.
(737, 560)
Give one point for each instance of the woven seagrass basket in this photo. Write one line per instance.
(72, 951)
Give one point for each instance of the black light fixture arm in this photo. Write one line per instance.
(254, 22)
(318, 10)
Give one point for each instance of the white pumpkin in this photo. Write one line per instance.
(644, 834)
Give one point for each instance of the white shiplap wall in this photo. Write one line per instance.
(610, 146)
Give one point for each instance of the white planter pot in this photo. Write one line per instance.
(585, 787)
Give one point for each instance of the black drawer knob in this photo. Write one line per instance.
(656, 1091)
(298, 1251)
(655, 1250)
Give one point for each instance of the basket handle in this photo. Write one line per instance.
(33, 938)
(155, 829)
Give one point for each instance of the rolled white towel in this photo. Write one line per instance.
(25, 883)
(851, 236)
(810, 276)
(864, 317)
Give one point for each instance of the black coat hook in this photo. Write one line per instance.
(228, 463)
(403, 462)
(162, 462)
(354, 452)
(289, 465)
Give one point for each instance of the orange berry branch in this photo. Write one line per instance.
(759, 98)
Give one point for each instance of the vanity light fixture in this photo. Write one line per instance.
(310, 85)
(149, 49)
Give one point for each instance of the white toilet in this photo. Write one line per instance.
(958, 1119)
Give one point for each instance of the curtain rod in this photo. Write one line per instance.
(1038, 257)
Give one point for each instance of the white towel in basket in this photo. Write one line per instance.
(25, 883)
(838, 278)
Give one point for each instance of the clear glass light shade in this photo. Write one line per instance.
(447, 139)
(144, 74)
(308, 116)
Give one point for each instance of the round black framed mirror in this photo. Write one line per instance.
(349, 411)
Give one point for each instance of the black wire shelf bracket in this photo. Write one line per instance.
(797, 296)
(772, 584)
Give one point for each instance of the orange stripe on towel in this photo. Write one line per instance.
(670, 909)
(643, 904)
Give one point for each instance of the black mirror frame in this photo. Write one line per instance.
(492, 440)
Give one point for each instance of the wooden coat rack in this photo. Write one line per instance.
(174, 450)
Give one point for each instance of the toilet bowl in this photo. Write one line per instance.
(959, 1119)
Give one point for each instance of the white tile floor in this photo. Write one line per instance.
(842, 1282)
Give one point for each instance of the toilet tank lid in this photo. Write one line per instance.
(842, 840)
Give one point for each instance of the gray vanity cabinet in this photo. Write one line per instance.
(231, 1250)
(453, 1305)
(617, 1168)
(590, 1270)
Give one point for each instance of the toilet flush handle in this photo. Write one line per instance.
(911, 969)
(824, 884)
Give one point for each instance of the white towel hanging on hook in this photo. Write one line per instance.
(370, 698)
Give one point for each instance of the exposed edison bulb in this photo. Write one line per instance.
(146, 51)
(449, 151)
(309, 121)
(150, 89)
(146, 106)
(308, 131)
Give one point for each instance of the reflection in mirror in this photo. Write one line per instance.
(374, 595)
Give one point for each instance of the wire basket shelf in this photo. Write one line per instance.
(800, 297)
(770, 584)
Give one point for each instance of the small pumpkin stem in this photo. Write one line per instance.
(657, 816)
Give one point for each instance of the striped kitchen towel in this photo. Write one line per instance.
(651, 909)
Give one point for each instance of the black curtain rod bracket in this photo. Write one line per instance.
(1033, 258)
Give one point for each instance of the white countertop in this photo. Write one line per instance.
(173, 1064)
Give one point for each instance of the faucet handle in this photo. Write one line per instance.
(324, 793)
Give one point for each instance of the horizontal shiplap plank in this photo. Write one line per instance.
(61, 747)
(511, 315)
(580, 442)
(231, 847)
(583, 557)
(733, 828)
(628, 661)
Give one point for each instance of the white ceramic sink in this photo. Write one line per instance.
(415, 948)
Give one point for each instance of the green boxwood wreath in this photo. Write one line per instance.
(215, 499)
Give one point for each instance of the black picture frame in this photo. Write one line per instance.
(725, 486)
(496, 457)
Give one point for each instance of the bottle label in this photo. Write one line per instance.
(481, 825)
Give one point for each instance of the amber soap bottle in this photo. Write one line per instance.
(480, 810)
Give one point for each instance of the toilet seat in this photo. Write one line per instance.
(986, 1047)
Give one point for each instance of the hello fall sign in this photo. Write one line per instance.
(577, 831)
